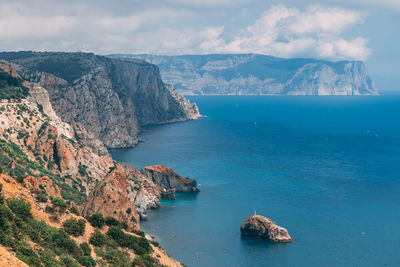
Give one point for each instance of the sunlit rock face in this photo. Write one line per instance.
(112, 98)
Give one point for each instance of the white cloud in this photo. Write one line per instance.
(289, 32)
(314, 31)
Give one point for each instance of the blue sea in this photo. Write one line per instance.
(325, 168)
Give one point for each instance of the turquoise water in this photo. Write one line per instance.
(325, 168)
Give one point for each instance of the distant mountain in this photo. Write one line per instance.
(252, 74)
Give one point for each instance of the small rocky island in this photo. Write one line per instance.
(264, 228)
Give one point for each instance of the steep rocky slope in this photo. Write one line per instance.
(251, 74)
(48, 178)
(110, 198)
(109, 98)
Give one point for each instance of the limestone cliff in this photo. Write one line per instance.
(112, 98)
(110, 198)
(46, 174)
(252, 74)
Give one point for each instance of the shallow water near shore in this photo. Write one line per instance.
(325, 168)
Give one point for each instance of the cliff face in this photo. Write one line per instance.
(110, 198)
(111, 98)
(251, 74)
(47, 177)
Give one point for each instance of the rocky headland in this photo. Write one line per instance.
(261, 227)
(254, 74)
(57, 175)
(109, 98)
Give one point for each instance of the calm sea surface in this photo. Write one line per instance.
(325, 168)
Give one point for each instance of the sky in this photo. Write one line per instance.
(365, 30)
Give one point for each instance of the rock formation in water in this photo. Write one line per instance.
(112, 98)
(168, 179)
(263, 228)
(252, 74)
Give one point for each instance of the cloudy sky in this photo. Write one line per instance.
(331, 29)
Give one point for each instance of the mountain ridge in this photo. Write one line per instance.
(256, 74)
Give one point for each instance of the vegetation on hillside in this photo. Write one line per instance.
(34, 241)
(11, 87)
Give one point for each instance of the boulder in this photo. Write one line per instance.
(264, 228)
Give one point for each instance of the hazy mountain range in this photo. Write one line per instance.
(253, 74)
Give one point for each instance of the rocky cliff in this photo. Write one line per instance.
(110, 198)
(104, 98)
(48, 178)
(251, 74)
(168, 179)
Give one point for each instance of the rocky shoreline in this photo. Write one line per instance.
(64, 171)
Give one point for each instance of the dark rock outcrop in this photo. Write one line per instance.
(168, 179)
(111, 97)
(168, 194)
(263, 228)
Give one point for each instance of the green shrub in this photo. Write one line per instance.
(63, 242)
(82, 169)
(140, 245)
(26, 254)
(48, 257)
(18, 173)
(69, 261)
(114, 256)
(20, 207)
(59, 203)
(75, 227)
(145, 260)
(11, 87)
(87, 261)
(42, 196)
(75, 210)
(139, 232)
(1, 195)
(40, 107)
(85, 249)
(98, 239)
(96, 220)
(111, 221)
(155, 243)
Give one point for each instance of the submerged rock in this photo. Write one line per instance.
(264, 228)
